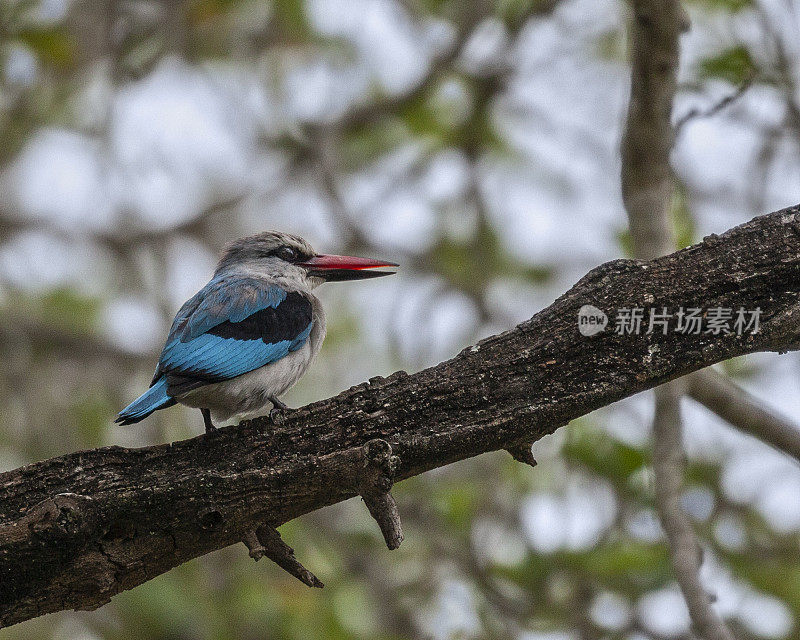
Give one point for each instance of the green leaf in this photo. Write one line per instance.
(625, 241)
(682, 220)
(724, 5)
(624, 566)
(342, 329)
(606, 457)
(65, 307)
(422, 120)
(90, 414)
(514, 12)
(777, 576)
(472, 265)
(611, 46)
(61, 307)
(734, 65)
(201, 11)
(435, 7)
(291, 15)
(457, 505)
(52, 46)
(365, 144)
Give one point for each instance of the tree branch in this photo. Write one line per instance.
(646, 143)
(741, 409)
(77, 529)
(700, 114)
(470, 16)
(647, 189)
(685, 551)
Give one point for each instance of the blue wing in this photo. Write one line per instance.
(232, 326)
(224, 298)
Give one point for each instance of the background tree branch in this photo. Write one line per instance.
(740, 408)
(647, 189)
(77, 529)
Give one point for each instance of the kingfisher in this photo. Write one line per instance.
(249, 334)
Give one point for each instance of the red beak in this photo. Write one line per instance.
(338, 268)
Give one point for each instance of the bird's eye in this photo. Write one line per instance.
(286, 253)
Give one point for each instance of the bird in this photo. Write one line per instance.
(250, 333)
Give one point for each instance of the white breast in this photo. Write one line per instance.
(248, 395)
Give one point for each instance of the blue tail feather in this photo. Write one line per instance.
(153, 399)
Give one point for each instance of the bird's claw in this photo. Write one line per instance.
(277, 414)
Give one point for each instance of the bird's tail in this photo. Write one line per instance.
(154, 398)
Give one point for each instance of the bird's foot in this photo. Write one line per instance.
(207, 420)
(277, 414)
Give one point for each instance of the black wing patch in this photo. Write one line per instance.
(285, 322)
(231, 349)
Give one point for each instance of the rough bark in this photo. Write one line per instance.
(77, 529)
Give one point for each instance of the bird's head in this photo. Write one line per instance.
(290, 259)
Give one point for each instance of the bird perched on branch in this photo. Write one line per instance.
(248, 335)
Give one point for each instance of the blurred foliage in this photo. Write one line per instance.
(735, 65)
(682, 220)
(472, 266)
(51, 46)
(724, 5)
(611, 45)
(475, 563)
(59, 307)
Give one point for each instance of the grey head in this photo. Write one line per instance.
(291, 261)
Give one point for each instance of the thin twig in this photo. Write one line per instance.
(697, 113)
(267, 541)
